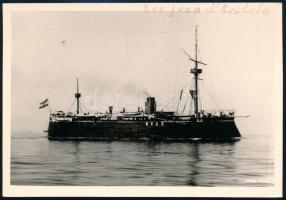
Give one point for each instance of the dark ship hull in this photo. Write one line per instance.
(132, 130)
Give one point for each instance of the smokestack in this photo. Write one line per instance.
(110, 109)
(150, 105)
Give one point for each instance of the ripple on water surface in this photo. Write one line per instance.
(35, 160)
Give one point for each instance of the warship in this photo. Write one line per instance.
(145, 123)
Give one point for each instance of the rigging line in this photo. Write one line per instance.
(169, 105)
(180, 98)
(182, 88)
(86, 108)
(185, 105)
(181, 94)
(192, 102)
(178, 85)
(211, 95)
(188, 106)
(80, 108)
(190, 83)
(90, 110)
(71, 105)
(199, 97)
(215, 97)
(200, 102)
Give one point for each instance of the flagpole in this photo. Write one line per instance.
(44, 104)
(49, 108)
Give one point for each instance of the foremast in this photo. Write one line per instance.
(77, 96)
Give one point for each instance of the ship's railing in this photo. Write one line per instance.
(219, 112)
(210, 113)
(60, 115)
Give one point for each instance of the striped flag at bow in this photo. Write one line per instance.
(44, 103)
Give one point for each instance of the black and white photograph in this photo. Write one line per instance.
(176, 99)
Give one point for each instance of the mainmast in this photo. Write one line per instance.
(77, 96)
(196, 71)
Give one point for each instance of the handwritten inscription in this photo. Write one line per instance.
(259, 9)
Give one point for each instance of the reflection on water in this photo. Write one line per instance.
(220, 161)
(194, 165)
(39, 161)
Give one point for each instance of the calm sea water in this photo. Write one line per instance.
(35, 160)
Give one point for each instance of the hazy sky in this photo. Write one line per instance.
(119, 53)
